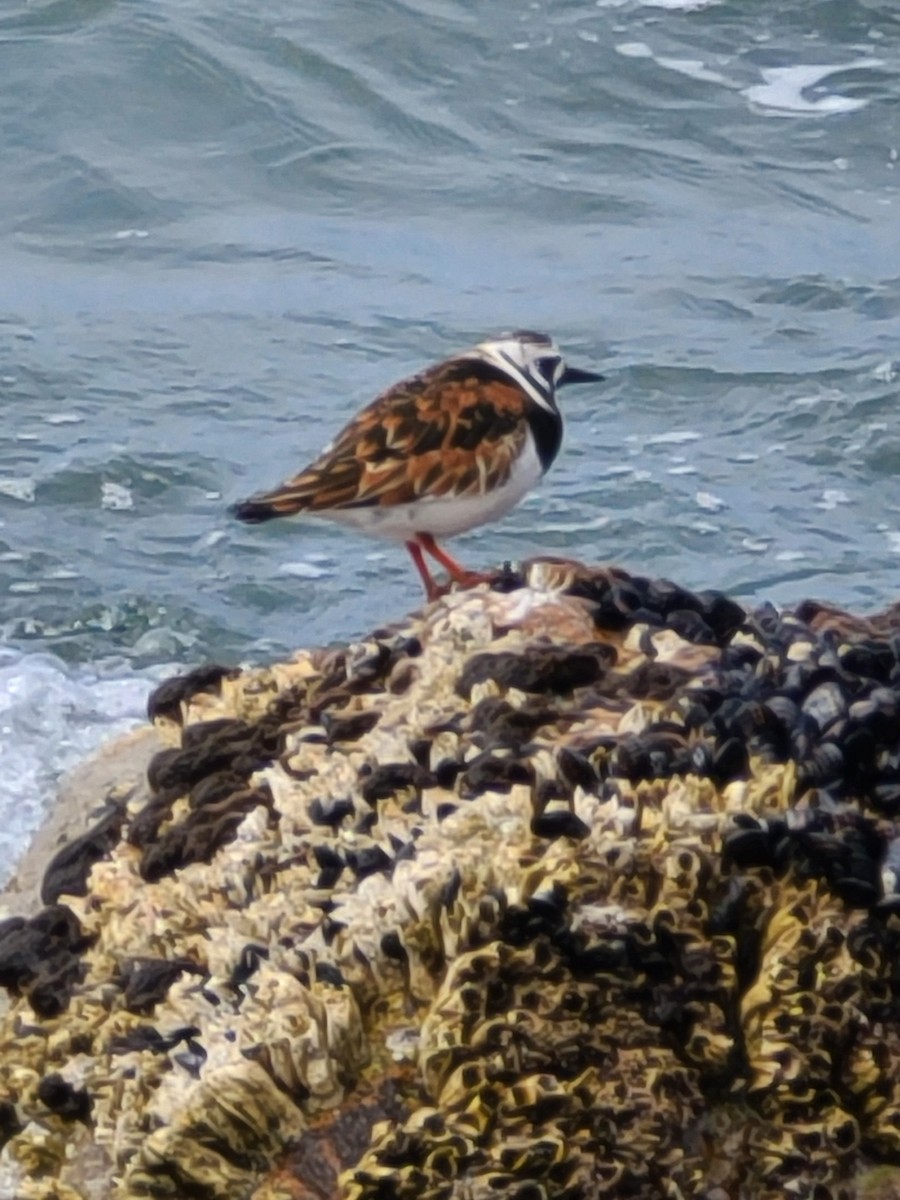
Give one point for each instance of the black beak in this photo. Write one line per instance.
(576, 375)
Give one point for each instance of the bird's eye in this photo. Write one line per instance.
(549, 365)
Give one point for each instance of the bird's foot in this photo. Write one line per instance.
(470, 579)
(460, 582)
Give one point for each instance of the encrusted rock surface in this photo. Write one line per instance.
(577, 885)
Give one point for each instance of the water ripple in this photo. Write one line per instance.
(226, 230)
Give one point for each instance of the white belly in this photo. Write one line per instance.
(445, 516)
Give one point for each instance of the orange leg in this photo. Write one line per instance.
(432, 590)
(458, 574)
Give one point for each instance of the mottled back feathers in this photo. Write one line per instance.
(455, 429)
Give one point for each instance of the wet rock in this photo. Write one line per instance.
(391, 779)
(64, 1099)
(543, 669)
(331, 812)
(561, 822)
(201, 834)
(167, 699)
(42, 958)
(350, 728)
(368, 861)
(227, 744)
(730, 761)
(490, 772)
(251, 958)
(577, 770)
(568, 864)
(9, 1122)
(149, 1038)
(68, 871)
(146, 981)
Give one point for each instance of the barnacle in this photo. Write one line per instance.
(580, 886)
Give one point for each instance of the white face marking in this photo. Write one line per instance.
(536, 366)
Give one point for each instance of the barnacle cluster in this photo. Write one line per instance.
(577, 884)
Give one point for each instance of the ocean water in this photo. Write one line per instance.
(224, 227)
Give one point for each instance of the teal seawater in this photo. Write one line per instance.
(226, 226)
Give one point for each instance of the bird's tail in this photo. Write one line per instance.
(253, 511)
(265, 506)
(322, 486)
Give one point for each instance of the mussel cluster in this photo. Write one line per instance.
(573, 885)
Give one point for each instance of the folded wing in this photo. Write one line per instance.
(456, 429)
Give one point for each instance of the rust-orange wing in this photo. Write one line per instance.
(455, 429)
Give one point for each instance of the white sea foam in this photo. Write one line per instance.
(693, 68)
(798, 91)
(115, 496)
(672, 5)
(63, 418)
(303, 570)
(614, 471)
(634, 50)
(51, 717)
(18, 489)
(831, 498)
(673, 437)
(679, 5)
(585, 526)
(709, 502)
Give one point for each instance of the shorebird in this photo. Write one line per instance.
(437, 454)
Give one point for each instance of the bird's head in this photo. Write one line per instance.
(534, 362)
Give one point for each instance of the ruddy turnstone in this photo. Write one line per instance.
(453, 447)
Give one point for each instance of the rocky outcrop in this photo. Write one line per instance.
(579, 884)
